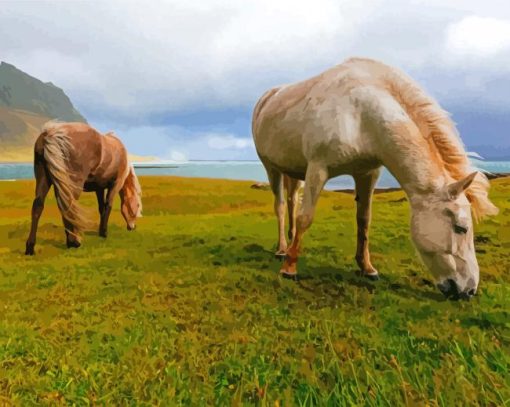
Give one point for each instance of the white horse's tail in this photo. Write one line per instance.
(57, 148)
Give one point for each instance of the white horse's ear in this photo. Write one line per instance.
(456, 188)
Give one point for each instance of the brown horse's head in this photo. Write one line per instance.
(131, 199)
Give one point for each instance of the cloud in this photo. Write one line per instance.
(119, 58)
(479, 36)
(133, 61)
(223, 142)
(176, 156)
(125, 57)
(178, 143)
(132, 66)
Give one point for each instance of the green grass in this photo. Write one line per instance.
(189, 309)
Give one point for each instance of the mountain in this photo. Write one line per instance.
(18, 131)
(26, 103)
(19, 90)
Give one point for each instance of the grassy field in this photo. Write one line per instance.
(189, 309)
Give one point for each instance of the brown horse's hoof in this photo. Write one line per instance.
(374, 276)
(289, 276)
(103, 234)
(29, 251)
(73, 244)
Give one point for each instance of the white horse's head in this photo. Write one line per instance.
(442, 230)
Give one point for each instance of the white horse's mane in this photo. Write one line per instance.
(437, 127)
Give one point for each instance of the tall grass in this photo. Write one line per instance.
(189, 309)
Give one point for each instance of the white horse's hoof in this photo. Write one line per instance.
(280, 255)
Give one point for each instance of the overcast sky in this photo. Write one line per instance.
(178, 79)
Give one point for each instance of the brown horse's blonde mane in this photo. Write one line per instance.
(134, 190)
(437, 127)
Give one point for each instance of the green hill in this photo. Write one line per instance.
(19, 90)
(26, 103)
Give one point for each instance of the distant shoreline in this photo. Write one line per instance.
(240, 170)
(394, 189)
(171, 164)
(265, 186)
(497, 175)
(168, 163)
(156, 163)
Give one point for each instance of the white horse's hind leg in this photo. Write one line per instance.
(276, 181)
(364, 190)
(316, 177)
(292, 186)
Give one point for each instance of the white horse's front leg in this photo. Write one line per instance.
(277, 187)
(364, 190)
(316, 177)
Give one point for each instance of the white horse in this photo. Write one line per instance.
(353, 119)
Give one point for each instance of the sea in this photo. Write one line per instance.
(234, 170)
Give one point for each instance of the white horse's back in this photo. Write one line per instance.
(329, 117)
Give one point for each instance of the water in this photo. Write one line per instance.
(238, 170)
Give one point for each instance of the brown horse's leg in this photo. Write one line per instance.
(110, 195)
(292, 203)
(316, 177)
(42, 186)
(101, 208)
(72, 239)
(364, 189)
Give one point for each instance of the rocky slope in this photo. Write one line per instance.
(26, 103)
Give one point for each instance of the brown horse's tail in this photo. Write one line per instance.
(57, 148)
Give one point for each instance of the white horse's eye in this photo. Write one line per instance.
(460, 230)
(448, 212)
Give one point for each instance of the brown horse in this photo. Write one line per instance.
(73, 157)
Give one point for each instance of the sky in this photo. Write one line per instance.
(178, 79)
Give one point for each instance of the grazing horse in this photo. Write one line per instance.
(73, 157)
(353, 119)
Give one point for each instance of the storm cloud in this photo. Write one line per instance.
(180, 77)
